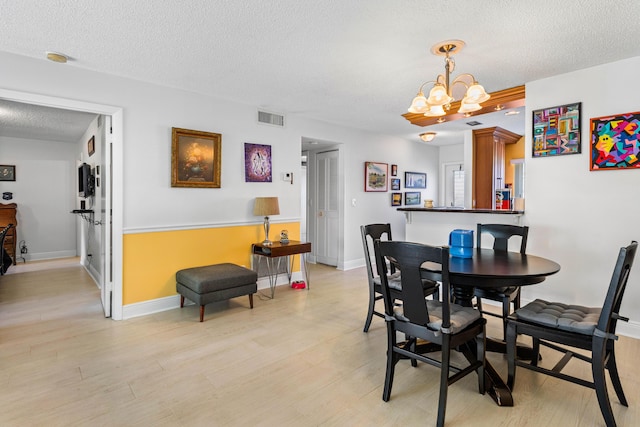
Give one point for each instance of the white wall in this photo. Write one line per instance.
(150, 111)
(577, 217)
(373, 207)
(45, 191)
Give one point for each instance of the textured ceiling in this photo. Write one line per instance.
(350, 62)
(28, 121)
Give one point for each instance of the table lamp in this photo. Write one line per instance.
(265, 206)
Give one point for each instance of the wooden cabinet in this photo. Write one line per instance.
(485, 163)
(8, 216)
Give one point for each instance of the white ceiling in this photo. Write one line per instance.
(350, 62)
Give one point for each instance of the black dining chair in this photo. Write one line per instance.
(371, 233)
(443, 323)
(557, 326)
(502, 235)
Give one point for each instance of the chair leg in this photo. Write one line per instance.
(615, 378)
(506, 305)
(444, 380)
(511, 355)
(372, 304)
(202, 313)
(597, 368)
(251, 300)
(480, 355)
(392, 359)
(535, 354)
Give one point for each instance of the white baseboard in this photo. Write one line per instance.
(169, 303)
(149, 307)
(48, 255)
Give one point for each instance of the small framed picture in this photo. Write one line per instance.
(412, 198)
(415, 180)
(396, 199)
(395, 184)
(7, 172)
(91, 146)
(257, 163)
(394, 170)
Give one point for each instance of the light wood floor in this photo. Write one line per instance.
(298, 360)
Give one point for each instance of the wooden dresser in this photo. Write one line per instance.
(8, 216)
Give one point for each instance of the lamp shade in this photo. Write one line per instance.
(476, 94)
(265, 206)
(469, 108)
(435, 111)
(419, 104)
(438, 95)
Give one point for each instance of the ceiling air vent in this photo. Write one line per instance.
(270, 118)
(474, 123)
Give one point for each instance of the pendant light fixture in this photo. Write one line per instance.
(440, 94)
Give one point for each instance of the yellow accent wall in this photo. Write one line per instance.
(150, 260)
(512, 151)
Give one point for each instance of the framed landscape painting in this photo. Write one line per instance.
(375, 176)
(412, 198)
(556, 130)
(615, 141)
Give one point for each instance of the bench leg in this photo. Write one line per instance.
(251, 300)
(181, 301)
(202, 313)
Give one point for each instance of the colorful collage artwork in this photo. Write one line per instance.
(556, 130)
(615, 142)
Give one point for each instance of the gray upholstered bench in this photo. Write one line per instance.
(217, 282)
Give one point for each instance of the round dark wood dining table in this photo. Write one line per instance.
(495, 269)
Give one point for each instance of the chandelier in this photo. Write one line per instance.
(441, 95)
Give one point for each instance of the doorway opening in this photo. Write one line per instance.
(111, 249)
(321, 196)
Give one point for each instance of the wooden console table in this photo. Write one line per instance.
(8, 216)
(274, 253)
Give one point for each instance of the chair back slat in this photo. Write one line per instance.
(607, 321)
(409, 258)
(370, 233)
(501, 234)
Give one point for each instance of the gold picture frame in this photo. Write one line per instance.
(196, 158)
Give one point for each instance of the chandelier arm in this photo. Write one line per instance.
(456, 81)
(422, 85)
(473, 79)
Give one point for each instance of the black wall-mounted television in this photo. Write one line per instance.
(85, 181)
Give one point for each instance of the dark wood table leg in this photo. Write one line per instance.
(494, 385)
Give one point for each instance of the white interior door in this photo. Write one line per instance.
(453, 185)
(106, 218)
(326, 209)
